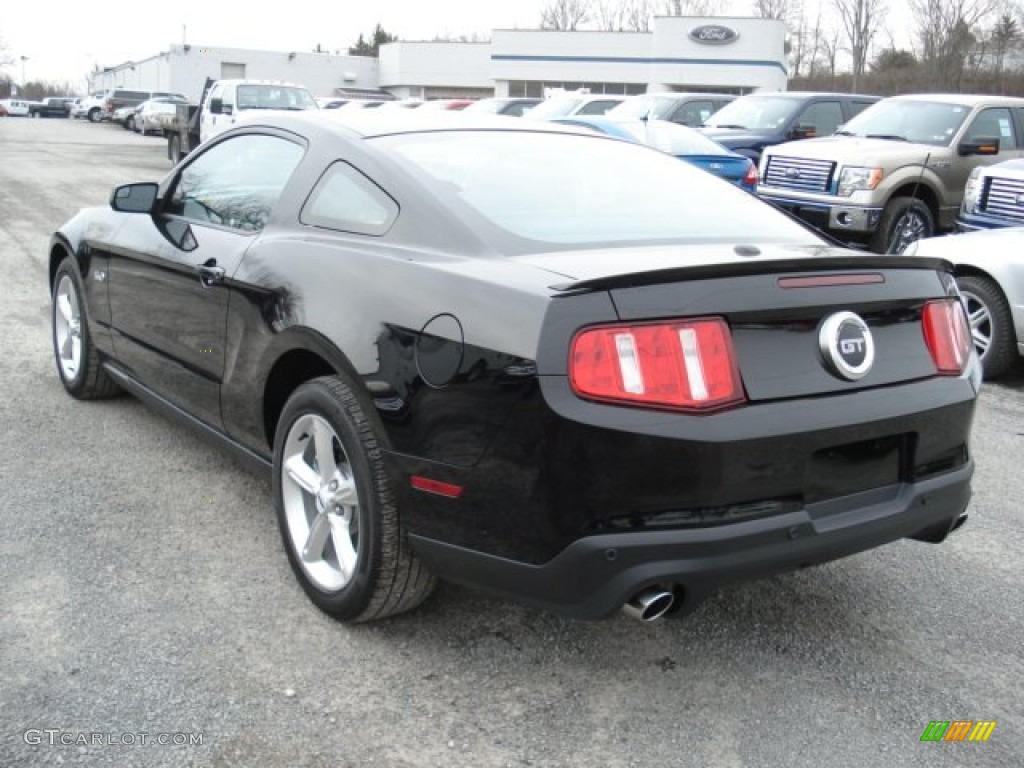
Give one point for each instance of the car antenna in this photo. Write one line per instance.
(917, 181)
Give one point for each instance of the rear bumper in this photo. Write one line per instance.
(595, 575)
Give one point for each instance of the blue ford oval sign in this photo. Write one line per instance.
(713, 34)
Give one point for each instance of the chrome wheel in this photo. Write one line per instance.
(909, 227)
(980, 319)
(321, 503)
(67, 324)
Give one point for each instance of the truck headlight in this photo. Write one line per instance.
(972, 191)
(853, 179)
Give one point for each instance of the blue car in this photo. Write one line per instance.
(993, 197)
(679, 141)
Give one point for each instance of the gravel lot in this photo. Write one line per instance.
(144, 590)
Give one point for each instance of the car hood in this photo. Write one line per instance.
(863, 152)
(599, 265)
(971, 246)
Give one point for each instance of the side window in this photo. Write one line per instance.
(346, 200)
(856, 107)
(693, 113)
(596, 107)
(997, 123)
(825, 116)
(235, 183)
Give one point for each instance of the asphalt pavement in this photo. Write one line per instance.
(148, 616)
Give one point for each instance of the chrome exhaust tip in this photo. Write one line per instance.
(649, 604)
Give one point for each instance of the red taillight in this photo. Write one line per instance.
(947, 335)
(751, 178)
(688, 365)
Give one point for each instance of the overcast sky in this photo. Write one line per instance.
(64, 38)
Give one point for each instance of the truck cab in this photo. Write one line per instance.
(227, 100)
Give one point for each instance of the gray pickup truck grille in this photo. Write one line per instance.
(798, 173)
(1004, 197)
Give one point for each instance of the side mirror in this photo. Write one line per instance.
(217, 106)
(804, 131)
(134, 198)
(981, 146)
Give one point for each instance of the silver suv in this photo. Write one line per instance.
(896, 172)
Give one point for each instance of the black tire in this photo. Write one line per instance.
(81, 374)
(129, 124)
(991, 324)
(94, 115)
(353, 507)
(174, 149)
(904, 220)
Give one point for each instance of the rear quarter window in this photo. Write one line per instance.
(346, 200)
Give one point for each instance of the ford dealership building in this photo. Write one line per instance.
(735, 55)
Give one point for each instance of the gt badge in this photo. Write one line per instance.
(847, 346)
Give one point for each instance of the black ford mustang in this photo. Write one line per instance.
(555, 366)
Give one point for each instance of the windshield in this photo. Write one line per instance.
(756, 113)
(274, 97)
(673, 138)
(923, 122)
(639, 107)
(553, 108)
(575, 189)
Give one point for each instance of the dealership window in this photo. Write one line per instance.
(536, 88)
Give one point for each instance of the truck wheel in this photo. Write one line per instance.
(94, 115)
(991, 324)
(174, 149)
(904, 220)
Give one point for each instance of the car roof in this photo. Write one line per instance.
(813, 94)
(972, 99)
(370, 123)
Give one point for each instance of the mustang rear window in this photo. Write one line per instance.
(568, 189)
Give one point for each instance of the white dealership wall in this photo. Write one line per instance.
(184, 69)
(742, 55)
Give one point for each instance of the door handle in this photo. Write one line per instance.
(210, 274)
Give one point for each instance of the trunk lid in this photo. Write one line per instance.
(777, 304)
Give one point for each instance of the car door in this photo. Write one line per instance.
(170, 271)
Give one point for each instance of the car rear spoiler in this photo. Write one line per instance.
(835, 264)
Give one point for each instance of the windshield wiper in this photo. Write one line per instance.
(844, 133)
(740, 127)
(886, 136)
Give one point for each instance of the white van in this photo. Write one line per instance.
(16, 107)
(227, 100)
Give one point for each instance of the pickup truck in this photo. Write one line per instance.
(53, 106)
(758, 120)
(993, 197)
(223, 102)
(896, 172)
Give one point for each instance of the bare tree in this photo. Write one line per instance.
(691, 7)
(610, 15)
(945, 34)
(771, 9)
(636, 15)
(565, 14)
(860, 20)
(1004, 36)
